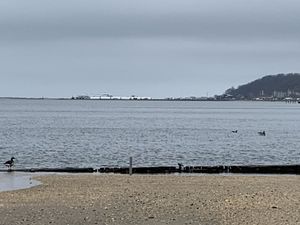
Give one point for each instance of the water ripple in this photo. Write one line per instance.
(103, 133)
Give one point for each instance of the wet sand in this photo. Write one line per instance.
(170, 199)
(15, 181)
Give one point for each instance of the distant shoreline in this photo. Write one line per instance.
(152, 99)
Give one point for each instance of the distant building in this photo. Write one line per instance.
(110, 97)
(83, 97)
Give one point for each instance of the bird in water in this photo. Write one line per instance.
(262, 133)
(10, 163)
(234, 131)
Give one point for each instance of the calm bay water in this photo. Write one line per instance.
(63, 133)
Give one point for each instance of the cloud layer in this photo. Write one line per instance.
(151, 48)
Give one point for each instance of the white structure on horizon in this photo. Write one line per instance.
(111, 97)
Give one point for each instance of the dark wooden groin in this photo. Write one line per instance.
(234, 169)
(251, 169)
(140, 170)
(204, 169)
(266, 169)
(54, 170)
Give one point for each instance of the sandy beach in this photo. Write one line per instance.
(163, 199)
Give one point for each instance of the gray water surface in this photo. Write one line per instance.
(65, 133)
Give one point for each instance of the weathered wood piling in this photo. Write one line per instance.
(267, 169)
(234, 169)
(54, 170)
(251, 169)
(139, 170)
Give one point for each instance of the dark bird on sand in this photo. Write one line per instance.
(10, 163)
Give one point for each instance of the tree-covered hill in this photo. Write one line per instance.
(275, 86)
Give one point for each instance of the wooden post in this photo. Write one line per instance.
(130, 165)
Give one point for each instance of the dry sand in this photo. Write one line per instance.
(170, 199)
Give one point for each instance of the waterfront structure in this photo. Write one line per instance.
(110, 97)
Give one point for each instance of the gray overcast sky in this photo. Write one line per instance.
(60, 48)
